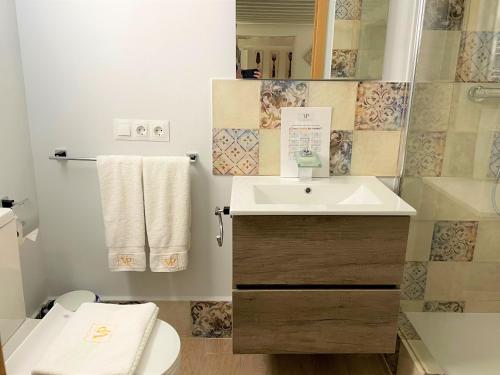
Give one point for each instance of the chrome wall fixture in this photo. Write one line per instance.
(479, 93)
(61, 155)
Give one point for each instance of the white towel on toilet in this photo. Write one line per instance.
(167, 202)
(120, 179)
(100, 339)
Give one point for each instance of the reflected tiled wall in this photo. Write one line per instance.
(367, 120)
(453, 152)
(359, 38)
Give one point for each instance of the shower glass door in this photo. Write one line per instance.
(452, 163)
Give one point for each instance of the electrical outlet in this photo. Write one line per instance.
(140, 130)
(159, 131)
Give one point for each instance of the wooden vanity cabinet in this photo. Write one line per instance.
(317, 284)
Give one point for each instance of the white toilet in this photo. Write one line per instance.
(24, 340)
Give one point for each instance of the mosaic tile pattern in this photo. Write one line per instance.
(212, 319)
(454, 241)
(425, 154)
(444, 14)
(277, 94)
(381, 105)
(235, 152)
(474, 62)
(406, 328)
(348, 10)
(344, 63)
(414, 279)
(431, 106)
(494, 163)
(340, 152)
(444, 306)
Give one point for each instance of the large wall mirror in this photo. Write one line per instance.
(311, 39)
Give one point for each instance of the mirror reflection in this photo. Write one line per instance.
(311, 39)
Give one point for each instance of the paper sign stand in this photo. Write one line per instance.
(305, 128)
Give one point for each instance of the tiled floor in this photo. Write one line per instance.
(209, 356)
(214, 357)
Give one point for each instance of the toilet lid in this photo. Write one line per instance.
(161, 355)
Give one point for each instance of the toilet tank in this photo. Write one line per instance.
(11, 285)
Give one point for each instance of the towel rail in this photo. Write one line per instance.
(479, 93)
(61, 155)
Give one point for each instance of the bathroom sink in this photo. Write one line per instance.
(346, 195)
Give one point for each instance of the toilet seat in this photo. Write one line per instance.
(25, 348)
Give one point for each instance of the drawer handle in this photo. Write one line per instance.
(219, 212)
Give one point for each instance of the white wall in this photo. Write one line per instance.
(89, 61)
(16, 163)
(303, 42)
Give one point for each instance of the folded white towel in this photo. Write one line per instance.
(100, 339)
(120, 179)
(167, 202)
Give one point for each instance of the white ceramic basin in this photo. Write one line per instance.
(321, 196)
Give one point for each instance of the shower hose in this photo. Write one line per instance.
(494, 193)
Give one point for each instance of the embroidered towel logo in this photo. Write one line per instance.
(171, 261)
(125, 261)
(99, 333)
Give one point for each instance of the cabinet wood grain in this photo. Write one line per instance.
(315, 321)
(319, 250)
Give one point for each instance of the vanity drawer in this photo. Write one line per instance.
(315, 321)
(319, 250)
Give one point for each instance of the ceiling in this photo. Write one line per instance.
(275, 11)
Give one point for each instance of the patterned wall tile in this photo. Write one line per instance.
(381, 105)
(277, 94)
(235, 152)
(494, 162)
(425, 153)
(348, 9)
(414, 279)
(444, 14)
(212, 319)
(340, 153)
(406, 328)
(344, 63)
(431, 106)
(454, 241)
(474, 62)
(444, 306)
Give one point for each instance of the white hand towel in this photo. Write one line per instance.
(100, 339)
(120, 179)
(167, 201)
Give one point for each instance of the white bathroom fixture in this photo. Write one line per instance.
(24, 348)
(346, 195)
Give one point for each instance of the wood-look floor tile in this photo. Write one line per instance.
(214, 357)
